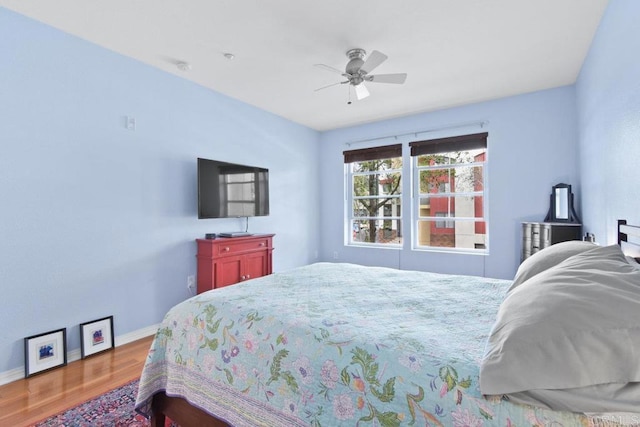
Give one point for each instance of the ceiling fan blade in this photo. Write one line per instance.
(361, 91)
(398, 78)
(328, 68)
(332, 84)
(374, 59)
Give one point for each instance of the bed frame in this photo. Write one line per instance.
(181, 412)
(187, 415)
(629, 236)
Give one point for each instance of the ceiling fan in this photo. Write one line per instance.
(358, 69)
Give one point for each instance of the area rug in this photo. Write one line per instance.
(112, 409)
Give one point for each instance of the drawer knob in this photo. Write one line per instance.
(261, 244)
(242, 277)
(226, 249)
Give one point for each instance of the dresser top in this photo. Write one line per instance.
(236, 239)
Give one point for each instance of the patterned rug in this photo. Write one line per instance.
(112, 409)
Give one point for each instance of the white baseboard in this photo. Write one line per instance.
(136, 335)
(73, 355)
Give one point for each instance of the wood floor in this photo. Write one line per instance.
(30, 400)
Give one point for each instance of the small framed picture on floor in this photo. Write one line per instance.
(96, 336)
(45, 351)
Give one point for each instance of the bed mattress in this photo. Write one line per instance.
(338, 345)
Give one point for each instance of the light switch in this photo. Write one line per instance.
(131, 123)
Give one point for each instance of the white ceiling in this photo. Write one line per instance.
(454, 51)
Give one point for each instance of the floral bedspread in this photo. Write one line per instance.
(337, 345)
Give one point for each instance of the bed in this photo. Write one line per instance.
(334, 344)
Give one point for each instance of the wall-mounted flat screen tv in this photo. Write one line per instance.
(229, 190)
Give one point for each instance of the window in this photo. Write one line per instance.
(449, 183)
(374, 196)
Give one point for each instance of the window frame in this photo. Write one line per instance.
(386, 152)
(409, 199)
(440, 146)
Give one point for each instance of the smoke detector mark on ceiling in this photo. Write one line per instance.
(183, 66)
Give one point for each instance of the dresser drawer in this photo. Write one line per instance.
(238, 247)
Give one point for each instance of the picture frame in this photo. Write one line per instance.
(96, 336)
(45, 351)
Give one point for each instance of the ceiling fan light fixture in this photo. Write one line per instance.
(361, 91)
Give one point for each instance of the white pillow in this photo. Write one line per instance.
(575, 325)
(633, 262)
(547, 258)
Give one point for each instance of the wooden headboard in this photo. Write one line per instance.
(629, 237)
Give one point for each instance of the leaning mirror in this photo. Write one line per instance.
(561, 205)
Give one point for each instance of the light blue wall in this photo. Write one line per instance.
(97, 220)
(532, 140)
(608, 102)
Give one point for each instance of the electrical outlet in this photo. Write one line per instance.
(335, 254)
(191, 284)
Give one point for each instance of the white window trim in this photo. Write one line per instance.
(349, 200)
(410, 209)
(415, 207)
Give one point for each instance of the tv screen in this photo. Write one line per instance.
(228, 190)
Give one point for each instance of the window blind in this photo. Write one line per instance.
(374, 153)
(445, 145)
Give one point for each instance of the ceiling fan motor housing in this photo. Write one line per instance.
(356, 59)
